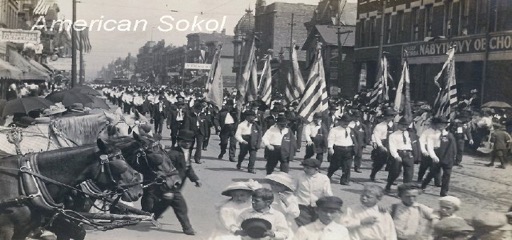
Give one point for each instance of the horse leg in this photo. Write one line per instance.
(6, 231)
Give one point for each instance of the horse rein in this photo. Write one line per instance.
(142, 154)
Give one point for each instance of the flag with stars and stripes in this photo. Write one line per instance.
(294, 83)
(446, 99)
(379, 93)
(265, 86)
(214, 85)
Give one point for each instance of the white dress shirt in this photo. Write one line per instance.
(423, 138)
(179, 115)
(412, 221)
(276, 218)
(396, 142)
(274, 136)
(311, 188)
(311, 130)
(382, 229)
(380, 132)
(340, 137)
(434, 141)
(319, 231)
(244, 128)
(229, 119)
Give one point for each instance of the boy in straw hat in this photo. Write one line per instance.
(285, 201)
(229, 210)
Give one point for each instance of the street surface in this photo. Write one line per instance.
(479, 188)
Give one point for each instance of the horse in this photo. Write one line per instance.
(35, 185)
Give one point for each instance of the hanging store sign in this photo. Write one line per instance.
(201, 66)
(497, 42)
(19, 36)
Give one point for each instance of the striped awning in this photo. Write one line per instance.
(43, 6)
(30, 72)
(8, 71)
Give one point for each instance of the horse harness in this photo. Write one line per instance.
(141, 154)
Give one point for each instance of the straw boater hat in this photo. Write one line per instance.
(246, 186)
(54, 109)
(282, 178)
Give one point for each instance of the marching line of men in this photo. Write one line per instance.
(343, 132)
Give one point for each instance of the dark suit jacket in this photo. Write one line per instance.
(288, 146)
(256, 135)
(221, 117)
(320, 140)
(171, 117)
(185, 170)
(190, 123)
(448, 149)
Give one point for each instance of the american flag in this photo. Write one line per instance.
(295, 83)
(446, 99)
(214, 85)
(315, 96)
(248, 87)
(379, 93)
(82, 40)
(265, 87)
(403, 96)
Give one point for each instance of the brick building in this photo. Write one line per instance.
(426, 29)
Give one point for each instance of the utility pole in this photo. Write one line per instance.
(291, 34)
(82, 72)
(183, 72)
(73, 47)
(486, 56)
(381, 36)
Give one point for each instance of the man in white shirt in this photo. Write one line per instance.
(341, 142)
(248, 134)
(316, 134)
(226, 124)
(280, 145)
(325, 228)
(401, 150)
(380, 153)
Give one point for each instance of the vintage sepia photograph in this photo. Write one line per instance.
(256, 119)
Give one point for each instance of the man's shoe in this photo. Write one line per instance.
(501, 166)
(189, 231)
(238, 166)
(199, 162)
(460, 165)
(232, 160)
(205, 148)
(437, 185)
(220, 156)
(345, 183)
(357, 171)
(489, 165)
(252, 171)
(372, 177)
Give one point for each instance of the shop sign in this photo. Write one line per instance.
(201, 66)
(19, 36)
(497, 42)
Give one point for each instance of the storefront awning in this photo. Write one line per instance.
(30, 72)
(39, 67)
(8, 71)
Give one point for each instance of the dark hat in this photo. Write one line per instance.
(452, 225)
(329, 202)
(186, 135)
(256, 227)
(333, 107)
(389, 112)
(24, 121)
(356, 114)
(249, 113)
(281, 119)
(489, 220)
(438, 120)
(77, 107)
(344, 118)
(317, 115)
(403, 121)
(311, 162)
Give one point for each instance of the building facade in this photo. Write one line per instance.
(423, 31)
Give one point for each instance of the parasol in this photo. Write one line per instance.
(25, 105)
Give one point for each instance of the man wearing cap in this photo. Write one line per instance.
(159, 113)
(248, 134)
(270, 121)
(325, 228)
(380, 153)
(341, 143)
(461, 132)
(401, 144)
(156, 199)
(330, 118)
(316, 134)
(442, 148)
(361, 132)
(226, 124)
(175, 118)
(196, 123)
(280, 145)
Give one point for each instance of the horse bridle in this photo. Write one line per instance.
(141, 153)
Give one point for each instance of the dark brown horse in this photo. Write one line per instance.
(60, 169)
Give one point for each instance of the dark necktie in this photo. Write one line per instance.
(404, 137)
(346, 132)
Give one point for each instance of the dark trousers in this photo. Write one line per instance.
(380, 158)
(358, 156)
(395, 168)
(127, 108)
(198, 142)
(273, 157)
(342, 157)
(158, 125)
(153, 204)
(227, 135)
(311, 150)
(500, 155)
(174, 132)
(460, 151)
(426, 163)
(298, 133)
(307, 215)
(244, 149)
(445, 180)
(207, 138)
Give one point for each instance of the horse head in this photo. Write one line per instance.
(146, 155)
(113, 172)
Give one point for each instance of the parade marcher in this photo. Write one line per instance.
(461, 132)
(157, 201)
(311, 186)
(368, 221)
(159, 114)
(249, 135)
(295, 122)
(285, 201)
(316, 134)
(442, 148)
(326, 227)
(271, 120)
(280, 145)
(228, 211)
(502, 141)
(412, 220)
(127, 99)
(208, 114)
(341, 143)
(361, 132)
(426, 160)
(261, 201)
(175, 119)
(226, 124)
(138, 101)
(196, 123)
(330, 118)
(380, 153)
(401, 150)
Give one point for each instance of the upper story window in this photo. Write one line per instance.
(429, 15)
(362, 33)
(463, 18)
(389, 27)
(415, 24)
(399, 26)
(448, 18)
